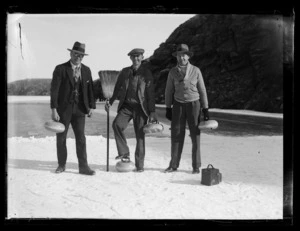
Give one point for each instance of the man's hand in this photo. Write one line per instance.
(205, 114)
(169, 113)
(90, 112)
(107, 106)
(55, 115)
(152, 117)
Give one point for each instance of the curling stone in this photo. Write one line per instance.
(153, 127)
(208, 125)
(54, 126)
(125, 166)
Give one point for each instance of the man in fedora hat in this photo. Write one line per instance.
(135, 91)
(71, 100)
(186, 92)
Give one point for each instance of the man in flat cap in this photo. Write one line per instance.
(72, 98)
(135, 91)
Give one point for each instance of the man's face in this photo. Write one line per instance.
(136, 59)
(76, 58)
(182, 59)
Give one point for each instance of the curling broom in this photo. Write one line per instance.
(108, 81)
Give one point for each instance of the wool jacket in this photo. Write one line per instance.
(145, 88)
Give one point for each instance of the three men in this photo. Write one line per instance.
(72, 98)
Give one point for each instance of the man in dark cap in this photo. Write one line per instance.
(135, 91)
(71, 100)
(186, 92)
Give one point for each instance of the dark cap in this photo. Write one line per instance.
(136, 51)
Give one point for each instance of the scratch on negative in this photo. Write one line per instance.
(20, 40)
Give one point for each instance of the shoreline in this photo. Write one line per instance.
(46, 99)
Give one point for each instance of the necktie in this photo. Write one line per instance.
(76, 73)
(134, 71)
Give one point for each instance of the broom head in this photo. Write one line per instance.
(108, 81)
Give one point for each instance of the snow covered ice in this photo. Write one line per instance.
(251, 187)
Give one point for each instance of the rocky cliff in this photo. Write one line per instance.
(242, 59)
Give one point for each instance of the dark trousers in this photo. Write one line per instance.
(120, 123)
(72, 115)
(183, 112)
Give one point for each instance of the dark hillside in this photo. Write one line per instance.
(29, 87)
(242, 58)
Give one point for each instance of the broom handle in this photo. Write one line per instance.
(107, 158)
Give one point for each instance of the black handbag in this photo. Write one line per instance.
(211, 176)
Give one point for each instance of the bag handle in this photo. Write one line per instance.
(210, 165)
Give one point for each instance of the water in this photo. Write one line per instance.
(26, 116)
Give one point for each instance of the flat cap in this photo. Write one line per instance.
(136, 51)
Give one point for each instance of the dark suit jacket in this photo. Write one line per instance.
(145, 88)
(62, 86)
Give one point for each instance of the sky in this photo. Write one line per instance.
(42, 42)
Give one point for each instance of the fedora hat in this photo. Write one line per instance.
(182, 49)
(136, 51)
(78, 48)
